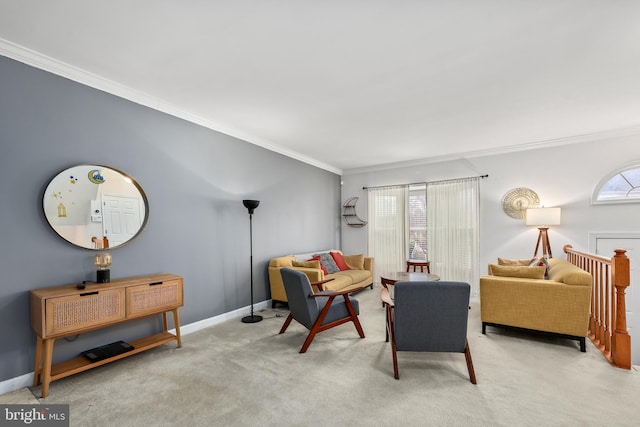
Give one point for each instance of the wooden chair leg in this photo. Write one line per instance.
(386, 323)
(394, 353)
(310, 337)
(286, 323)
(317, 326)
(467, 356)
(354, 316)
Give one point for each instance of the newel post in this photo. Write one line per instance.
(621, 343)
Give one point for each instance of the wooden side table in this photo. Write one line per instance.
(419, 263)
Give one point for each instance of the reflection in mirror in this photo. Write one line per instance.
(95, 207)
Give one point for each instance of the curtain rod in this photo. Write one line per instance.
(430, 182)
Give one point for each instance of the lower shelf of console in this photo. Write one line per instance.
(81, 363)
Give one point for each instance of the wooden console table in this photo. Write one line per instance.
(61, 311)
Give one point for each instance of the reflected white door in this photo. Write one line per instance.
(605, 246)
(121, 218)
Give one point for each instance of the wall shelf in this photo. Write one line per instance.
(349, 214)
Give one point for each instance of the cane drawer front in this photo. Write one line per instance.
(154, 297)
(81, 311)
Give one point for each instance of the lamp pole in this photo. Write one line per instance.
(251, 205)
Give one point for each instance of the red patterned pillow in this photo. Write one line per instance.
(339, 259)
(317, 258)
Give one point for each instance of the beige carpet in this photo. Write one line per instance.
(237, 374)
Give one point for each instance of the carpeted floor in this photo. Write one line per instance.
(237, 374)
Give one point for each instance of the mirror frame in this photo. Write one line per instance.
(88, 175)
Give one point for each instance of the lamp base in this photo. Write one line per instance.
(543, 238)
(251, 319)
(103, 276)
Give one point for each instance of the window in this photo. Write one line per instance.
(622, 186)
(418, 223)
(437, 221)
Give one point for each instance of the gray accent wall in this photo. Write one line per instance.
(195, 180)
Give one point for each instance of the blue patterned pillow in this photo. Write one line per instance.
(327, 260)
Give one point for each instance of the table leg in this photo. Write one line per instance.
(38, 369)
(46, 369)
(176, 320)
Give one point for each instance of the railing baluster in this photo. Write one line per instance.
(608, 319)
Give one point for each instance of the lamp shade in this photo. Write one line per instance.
(543, 216)
(251, 205)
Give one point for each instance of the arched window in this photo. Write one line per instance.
(622, 186)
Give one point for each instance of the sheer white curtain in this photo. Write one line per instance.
(453, 217)
(387, 228)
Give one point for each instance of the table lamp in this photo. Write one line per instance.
(103, 262)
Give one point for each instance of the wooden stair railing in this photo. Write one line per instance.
(608, 319)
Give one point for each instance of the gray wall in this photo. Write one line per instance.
(195, 180)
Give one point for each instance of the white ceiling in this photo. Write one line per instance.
(349, 84)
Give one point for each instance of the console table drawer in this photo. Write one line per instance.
(153, 297)
(84, 310)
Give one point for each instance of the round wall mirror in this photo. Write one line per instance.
(95, 207)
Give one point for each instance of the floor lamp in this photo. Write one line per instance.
(543, 217)
(251, 205)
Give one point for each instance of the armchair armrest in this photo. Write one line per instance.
(320, 284)
(336, 293)
(385, 296)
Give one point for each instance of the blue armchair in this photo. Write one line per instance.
(429, 317)
(317, 311)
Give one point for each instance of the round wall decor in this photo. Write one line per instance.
(516, 202)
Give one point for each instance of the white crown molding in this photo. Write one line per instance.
(54, 66)
(595, 136)
(46, 63)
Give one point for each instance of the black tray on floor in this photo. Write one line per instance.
(106, 351)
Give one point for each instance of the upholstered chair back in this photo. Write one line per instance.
(431, 316)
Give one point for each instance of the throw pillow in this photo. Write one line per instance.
(339, 259)
(317, 258)
(307, 264)
(519, 271)
(541, 262)
(355, 262)
(509, 261)
(327, 260)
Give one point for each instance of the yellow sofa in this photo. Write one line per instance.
(520, 296)
(359, 275)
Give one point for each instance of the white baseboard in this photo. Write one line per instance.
(13, 384)
(26, 380)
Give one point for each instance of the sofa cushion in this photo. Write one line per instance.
(568, 273)
(524, 272)
(308, 264)
(511, 261)
(339, 259)
(541, 262)
(339, 282)
(355, 275)
(355, 262)
(317, 258)
(284, 261)
(327, 261)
